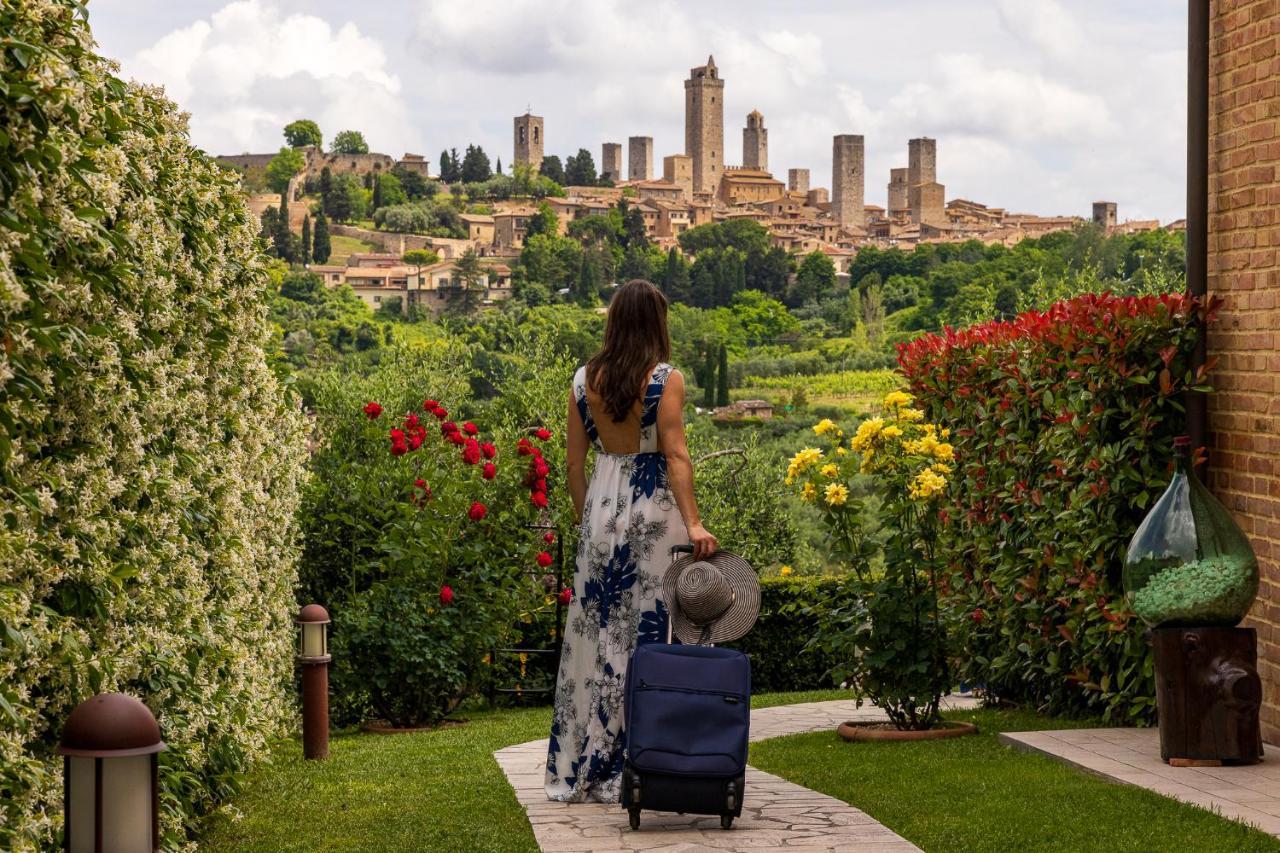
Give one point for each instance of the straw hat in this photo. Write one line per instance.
(713, 600)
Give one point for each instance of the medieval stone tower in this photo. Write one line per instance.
(898, 205)
(1104, 213)
(922, 168)
(640, 158)
(848, 181)
(611, 161)
(704, 125)
(755, 142)
(528, 140)
(798, 180)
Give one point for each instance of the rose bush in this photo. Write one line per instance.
(1063, 423)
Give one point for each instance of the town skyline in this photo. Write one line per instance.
(1013, 131)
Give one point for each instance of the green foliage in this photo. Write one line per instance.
(475, 165)
(722, 378)
(305, 245)
(548, 262)
(320, 245)
(349, 142)
(283, 167)
(450, 166)
(815, 279)
(553, 169)
(544, 221)
(149, 461)
(429, 217)
(732, 256)
(347, 198)
(414, 185)
(846, 383)
(420, 258)
(1063, 424)
(580, 170)
(303, 132)
(585, 290)
(318, 326)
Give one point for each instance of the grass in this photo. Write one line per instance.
(343, 247)
(437, 790)
(974, 794)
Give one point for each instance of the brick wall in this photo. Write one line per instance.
(1244, 233)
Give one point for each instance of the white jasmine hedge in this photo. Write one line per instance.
(149, 462)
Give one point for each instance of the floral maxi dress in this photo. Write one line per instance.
(629, 525)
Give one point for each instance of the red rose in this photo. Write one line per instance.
(490, 470)
(399, 448)
(523, 447)
(540, 485)
(539, 499)
(456, 438)
(544, 559)
(543, 433)
(549, 537)
(469, 428)
(488, 450)
(566, 595)
(372, 411)
(978, 615)
(420, 483)
(448, 427)
(478, 511)
(446, 595)
(415, 440)
(471, 455)
(410, 421)
(430, 405)
(540, 468)
(440, 412)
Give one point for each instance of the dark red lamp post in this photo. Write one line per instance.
(313, 656)
(111, 778)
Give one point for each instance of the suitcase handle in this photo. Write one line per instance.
(681, 549)
(671, 607)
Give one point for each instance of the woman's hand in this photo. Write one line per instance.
(704, 544)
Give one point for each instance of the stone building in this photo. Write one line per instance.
(745, 186)
(755, 142)
(1104, 214)
(678, 169)
(611, 161)
(922, 168)
(529, 140)
(798, 180)
(704, 125)
(898, 207)
(848, 180)
(1244, 271)
(640, 158)
(930, 206)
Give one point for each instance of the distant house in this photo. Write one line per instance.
(761, 409)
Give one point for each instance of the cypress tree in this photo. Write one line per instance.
(377, 193)
(709, 379)
(282, 235)
(326, 188)
(585, 292)
(498, 170)
(722, 390)
(320, 248)
(306, 240)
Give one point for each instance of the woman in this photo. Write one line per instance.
(627, 403)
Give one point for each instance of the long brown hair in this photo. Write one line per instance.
(635, 340)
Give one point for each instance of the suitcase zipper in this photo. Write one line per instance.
(729, 697)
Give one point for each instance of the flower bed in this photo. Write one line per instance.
(1062, 423)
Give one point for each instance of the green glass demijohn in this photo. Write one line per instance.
(1189, 564)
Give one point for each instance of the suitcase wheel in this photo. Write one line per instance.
(726, 821)
(634, 816)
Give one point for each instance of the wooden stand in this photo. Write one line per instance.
(1208, 694)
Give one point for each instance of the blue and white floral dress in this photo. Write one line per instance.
(629, 525)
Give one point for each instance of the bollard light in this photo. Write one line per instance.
(111, 779)
(313, 655)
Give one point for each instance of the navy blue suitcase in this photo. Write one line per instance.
(688, 713)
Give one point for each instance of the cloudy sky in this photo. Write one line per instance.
(1037, 105)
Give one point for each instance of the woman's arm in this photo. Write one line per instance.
(679, 466)
(576, 458)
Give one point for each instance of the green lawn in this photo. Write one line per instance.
(343, 247)
(438, 790)
(973, 794)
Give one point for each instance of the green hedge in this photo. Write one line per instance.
(149, 463)
(779, 659)
(1063, 424)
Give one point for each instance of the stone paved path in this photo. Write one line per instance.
(776, 815)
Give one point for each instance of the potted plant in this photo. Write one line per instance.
(888, 633)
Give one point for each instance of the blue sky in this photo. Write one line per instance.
(1038, 105)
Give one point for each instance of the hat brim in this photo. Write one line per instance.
(734, 622)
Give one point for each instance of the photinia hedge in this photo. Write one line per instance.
(1062, 423)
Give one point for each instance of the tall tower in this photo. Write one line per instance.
(848, 181)
(611, 161)
(704, 125)
(640, 158)
(798, 180)
(755, 142)
(922, 168)
(1104, 213)
(528, 140)
(897, 193)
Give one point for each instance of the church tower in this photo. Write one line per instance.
(704, 125)
(755, 142)
(528, 140)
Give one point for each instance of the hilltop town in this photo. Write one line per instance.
(695, 187)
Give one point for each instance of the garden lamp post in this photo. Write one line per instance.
(111, 779)
(313, 656)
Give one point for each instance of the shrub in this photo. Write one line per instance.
(780, 659)
(1062, 423)
(149, 464)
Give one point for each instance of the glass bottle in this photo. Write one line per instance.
(1189, 564)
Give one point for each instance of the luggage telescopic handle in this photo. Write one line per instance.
(671, 606)
(681, 549)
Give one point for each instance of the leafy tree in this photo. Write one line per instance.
(475, 165)
(303, 132)
(675, 278)
(1006, 301)
(722, 387)
(302, 287)
(762, 319)
(873, 315)
(419, 258)
(349, 142)
(633, 229)
(283, 167)
(708, 380)
(320, 247)
(815, 279)
(326, 187)
(269, 218)
(549, 261)
(283, 239)
(553, 169)
(900, 291)
(450, 166)
(544, 221)
(375, 200)
(467, 284)
(585, 290)
(580, 171)
(305, 256)
(497, 170)
(414, 185)
(348, 200)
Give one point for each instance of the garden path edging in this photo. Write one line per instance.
(776, 813)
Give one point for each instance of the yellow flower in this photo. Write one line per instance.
(897, 399)
(944, 453)
(824, 426)
(891, 431)
(808, 493)
(946, 433)
(840, 451)
(803, 460)
(910, 415)
(836, 494)
(790, 479)
(927, 484)
(784, 571)
(867, 432)
(831, 470)
(944, 470)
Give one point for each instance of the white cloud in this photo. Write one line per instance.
(1043, 24)
(249, 69)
